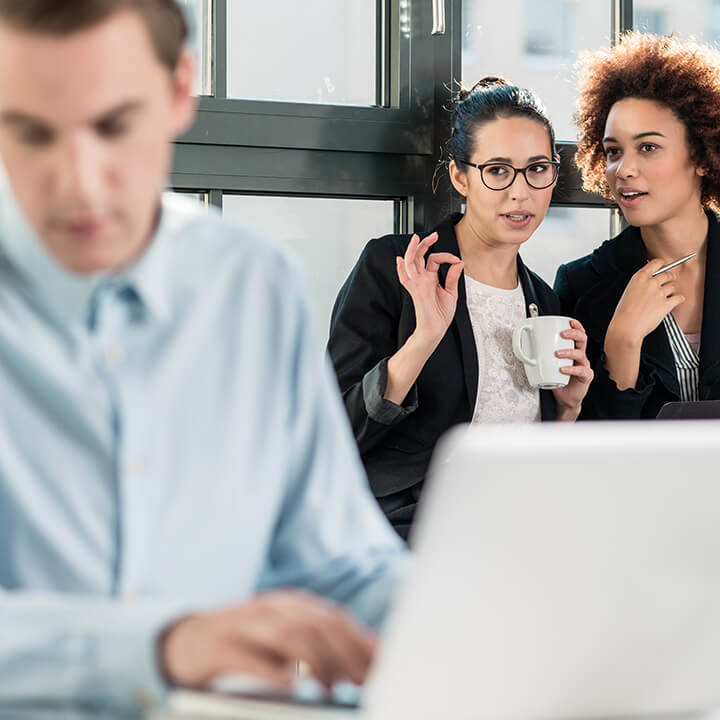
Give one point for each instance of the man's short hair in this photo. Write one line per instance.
(164, 19)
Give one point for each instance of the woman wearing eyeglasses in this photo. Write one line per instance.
(421, 331)
(649, 120)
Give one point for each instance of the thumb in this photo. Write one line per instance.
(453, 278)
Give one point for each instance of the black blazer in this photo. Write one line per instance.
(590, 289)
(372, 318)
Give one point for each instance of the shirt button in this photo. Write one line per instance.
(135, 467)
(143, 699)
(114, 353)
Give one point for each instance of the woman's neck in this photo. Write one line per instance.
(678, 236)
(485, 260)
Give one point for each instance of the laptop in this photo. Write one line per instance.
(562, 571)
(692, 410)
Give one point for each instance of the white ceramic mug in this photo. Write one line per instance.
(535, 341)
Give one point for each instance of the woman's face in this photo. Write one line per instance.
(508, 216)
(648, 166)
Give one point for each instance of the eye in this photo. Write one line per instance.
(647, 147)
(497, 170)
(540, 168)
(611, 151)
(36, 136)
(111, 128)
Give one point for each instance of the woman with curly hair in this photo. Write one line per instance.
(649, 121)
(421, 331)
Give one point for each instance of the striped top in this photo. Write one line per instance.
(687, 360)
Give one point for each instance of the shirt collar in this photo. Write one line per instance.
(66, 294)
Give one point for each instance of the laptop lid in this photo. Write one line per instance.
(563, 571)
(694, 410)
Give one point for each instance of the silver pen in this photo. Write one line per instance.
(673, 264)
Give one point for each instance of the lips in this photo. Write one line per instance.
(518, 219)
(629, 197)
(81, 226)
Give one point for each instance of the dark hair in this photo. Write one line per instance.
(164, 19)
(682, 76)
(489, 99)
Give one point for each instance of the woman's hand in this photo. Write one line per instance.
(642, 307)
(434, 304)
(644, 304)
(569, 399)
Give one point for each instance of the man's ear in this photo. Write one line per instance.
(184, 102)
(458, 178)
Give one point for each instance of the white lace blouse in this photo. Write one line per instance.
(504, 394)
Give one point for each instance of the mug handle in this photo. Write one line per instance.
(520, 354)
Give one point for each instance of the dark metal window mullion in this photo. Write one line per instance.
(622, 20)
(219, 53)
(382, 61)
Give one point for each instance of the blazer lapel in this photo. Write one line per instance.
(447, 242)
(710, 331)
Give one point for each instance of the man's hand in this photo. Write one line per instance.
(264, 636)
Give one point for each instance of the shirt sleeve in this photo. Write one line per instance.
(57, 648)
(363, 337)
(605, 401)
(331, 539)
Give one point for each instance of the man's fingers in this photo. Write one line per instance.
(301, 626)
(236, 658)
(335, 638)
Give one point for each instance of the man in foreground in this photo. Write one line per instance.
(170, 440)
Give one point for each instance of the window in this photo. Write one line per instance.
(549, 27)
(650, 20)
(315, 51)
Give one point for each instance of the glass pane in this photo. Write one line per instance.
(200, 197)
(564, 235)
(534, 43)
(326, 234)
(697, 18)
(318, 51)
(199, 18)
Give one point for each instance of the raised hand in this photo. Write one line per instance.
(645, 302)
(434, 304)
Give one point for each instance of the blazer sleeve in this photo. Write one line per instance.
(604, 400)
(364, 334)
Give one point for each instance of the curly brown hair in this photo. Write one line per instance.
(682, 75)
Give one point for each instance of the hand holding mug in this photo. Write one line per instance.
(552, 349)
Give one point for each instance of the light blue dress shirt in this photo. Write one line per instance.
(171, 439)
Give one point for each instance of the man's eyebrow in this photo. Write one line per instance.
(635, 137)
(17, 117)
(123, 109)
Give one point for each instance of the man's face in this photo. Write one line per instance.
(86, 126)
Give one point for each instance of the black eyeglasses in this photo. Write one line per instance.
(499, 176)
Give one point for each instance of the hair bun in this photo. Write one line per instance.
(488, 81)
